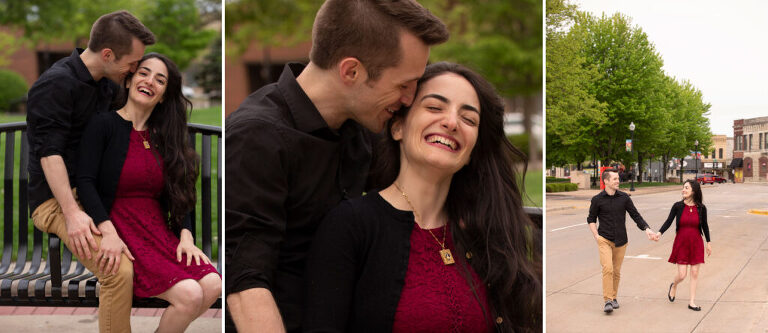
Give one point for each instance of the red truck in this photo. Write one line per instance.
(709, 178)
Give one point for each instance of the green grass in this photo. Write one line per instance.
(647, 184)
(11, 118)
(208, 116)
(533, 189)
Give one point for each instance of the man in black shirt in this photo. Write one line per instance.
(60, 104)
(611, 207)
(296, 148)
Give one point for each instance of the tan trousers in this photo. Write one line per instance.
(611, 258)
(116, 293)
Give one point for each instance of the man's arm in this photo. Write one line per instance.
(80, 227)
(593, 228)
(256, 222)
(255, 310)
(641, 224)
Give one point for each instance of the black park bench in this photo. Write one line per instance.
(59, 280)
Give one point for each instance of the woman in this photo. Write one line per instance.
(446, 246)
(136, 175)
(690, 216)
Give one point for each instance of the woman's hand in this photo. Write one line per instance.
(709, 249)
(111, 249)
(187, 246)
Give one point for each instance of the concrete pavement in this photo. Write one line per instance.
(63, 319)
(733, 283)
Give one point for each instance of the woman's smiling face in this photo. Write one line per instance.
(441, 128)
(148, 84)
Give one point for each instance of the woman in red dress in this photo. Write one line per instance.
(445, 245)
(688, 248)
(136, 175)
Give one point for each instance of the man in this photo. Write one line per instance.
(610, 207)
(296, 148)
(60, 104)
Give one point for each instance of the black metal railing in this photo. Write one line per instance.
(59, 267)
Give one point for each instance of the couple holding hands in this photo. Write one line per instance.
(690, 214)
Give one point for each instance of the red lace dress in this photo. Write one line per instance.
(138, 218)
(436, 297)
(688, 247)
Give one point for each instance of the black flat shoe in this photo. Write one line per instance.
(697, 308)
(669, 293)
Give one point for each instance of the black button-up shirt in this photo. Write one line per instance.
(612, 211)
(285, 169)
(59, 105)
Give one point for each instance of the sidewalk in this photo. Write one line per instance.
(580, 199)
(30, 319)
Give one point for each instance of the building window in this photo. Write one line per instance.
(713, 154)
(750, 142)
(760, 141)
(721, 153)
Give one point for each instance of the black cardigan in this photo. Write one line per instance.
(103, 148)
(677, 212)
(356, 267)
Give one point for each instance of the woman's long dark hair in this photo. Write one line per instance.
(485, 209)
(167, 127)
(696, 195)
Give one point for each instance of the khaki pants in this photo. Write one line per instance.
(611, 258)
(116, 293)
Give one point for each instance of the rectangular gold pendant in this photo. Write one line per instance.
(447, 256)
(146, 144)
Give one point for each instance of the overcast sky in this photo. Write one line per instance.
(721, 47)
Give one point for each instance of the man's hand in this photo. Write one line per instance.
(651, 235)
(80, 230)
(112, 249)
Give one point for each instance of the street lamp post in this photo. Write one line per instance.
(696, 156)
(632, 151)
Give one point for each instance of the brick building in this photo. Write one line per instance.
(750, 149)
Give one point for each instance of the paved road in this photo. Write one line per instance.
(733, 283)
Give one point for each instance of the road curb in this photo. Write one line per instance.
(554, 209)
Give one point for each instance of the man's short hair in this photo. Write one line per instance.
(607, 173)
(369, 30)
(116, 31)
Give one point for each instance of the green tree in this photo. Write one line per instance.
(573, 114)
(209, 76)
(176, 23)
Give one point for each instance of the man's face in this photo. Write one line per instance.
(117, 69)
(613, 181)
(374, 102)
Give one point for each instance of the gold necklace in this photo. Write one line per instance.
(445, 253)
(146, 142)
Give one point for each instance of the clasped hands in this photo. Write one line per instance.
(654, 236)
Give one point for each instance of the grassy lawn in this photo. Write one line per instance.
(533, 189)
(208, 116)
(11, 118)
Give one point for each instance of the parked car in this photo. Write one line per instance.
(709, 178)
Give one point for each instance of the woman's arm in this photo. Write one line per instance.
(331, 272)
(704, 225)
(92, 146)
(668, 222)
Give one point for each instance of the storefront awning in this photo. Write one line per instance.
(736, 163)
